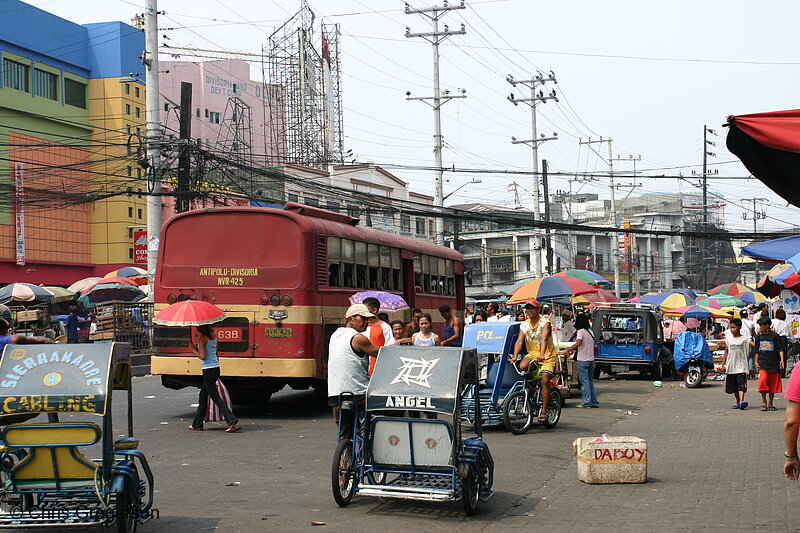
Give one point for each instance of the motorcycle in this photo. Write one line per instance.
(692, 357)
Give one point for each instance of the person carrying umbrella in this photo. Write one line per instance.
(206, 351)
(536, 332)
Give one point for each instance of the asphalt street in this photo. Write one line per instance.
(710, 468)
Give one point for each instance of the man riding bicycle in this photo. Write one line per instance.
(536, 333)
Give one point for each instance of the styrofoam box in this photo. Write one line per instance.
(614, 460)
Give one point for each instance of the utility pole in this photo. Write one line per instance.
(548, 248)
(435, 37)
(706, 153)
(184, 158)
(614, 217)
(534, 142)
(153, 132)
(629, 238)
(758, 213)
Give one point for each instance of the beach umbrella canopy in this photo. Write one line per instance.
(550, 287)
(110, 281)
(667, 301)
(135, 273)
(752, 297)
(509, 290)
(729, 288)
(672, 328)
(189, 313)
(61, 294)
(772, 282)
(388, 300)
(697, 311)
(601, 295)
(587, 276)
(720, 301)
(109, 292)
(84, 283)
(24, 293)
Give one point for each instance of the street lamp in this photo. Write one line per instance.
(474, 180)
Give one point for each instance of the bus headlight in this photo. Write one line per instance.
(275, 300)
(171, 299)
(286, 300)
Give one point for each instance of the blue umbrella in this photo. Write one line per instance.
(795, 261)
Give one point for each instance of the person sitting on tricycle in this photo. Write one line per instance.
(536, 333)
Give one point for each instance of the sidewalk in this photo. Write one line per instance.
(710, 468)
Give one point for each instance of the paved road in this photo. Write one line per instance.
(710, 468)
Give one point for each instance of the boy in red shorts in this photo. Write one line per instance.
(770, 360)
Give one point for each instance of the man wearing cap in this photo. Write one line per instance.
(537, 335)
(348, 363)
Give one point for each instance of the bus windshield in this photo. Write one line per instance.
(233, 250)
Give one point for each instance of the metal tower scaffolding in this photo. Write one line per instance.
(304, 65)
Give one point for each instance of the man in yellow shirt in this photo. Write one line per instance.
(537, 335)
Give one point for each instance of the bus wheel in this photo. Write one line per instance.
(257, 397)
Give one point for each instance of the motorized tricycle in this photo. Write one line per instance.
(420, 457)
(45, 478)
(507, 396)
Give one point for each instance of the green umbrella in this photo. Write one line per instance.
(720, 301)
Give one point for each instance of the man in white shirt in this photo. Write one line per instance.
(491, 310)
(567, 331)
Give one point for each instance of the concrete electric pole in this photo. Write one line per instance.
(534, 142)
(153, 132)
(435, 37)
(706, 153)
(614, 217)
(758, 213)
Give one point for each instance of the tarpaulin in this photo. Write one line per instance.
(769, 146)
(775, 250)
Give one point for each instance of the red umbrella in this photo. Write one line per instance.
(769, 146)
(189, 313)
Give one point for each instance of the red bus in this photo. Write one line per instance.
(284, 278)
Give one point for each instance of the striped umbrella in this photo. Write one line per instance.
(752, 297)
(61, 294)
(550, 287)
(83, 284)
(109, 281)
(729, 288)
(667, 301)
(601, 295)
(772, 282)
(587, 276)
(139, 275)
(109, 292)
(697, 311)
(24, 293)
(720, 301)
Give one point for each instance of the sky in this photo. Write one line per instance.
(649, 75)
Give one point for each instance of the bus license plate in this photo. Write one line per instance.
(277, 332)
(619, 368)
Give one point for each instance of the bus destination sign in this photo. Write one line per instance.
(229, 276)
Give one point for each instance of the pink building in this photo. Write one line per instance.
(213, 84)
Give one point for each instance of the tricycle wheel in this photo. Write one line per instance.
(127, 508)
(343, 473)
(657, 371)
(470, 487)
(518, 413)
(11, 503)
(553, 409)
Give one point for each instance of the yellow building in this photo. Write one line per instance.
(117, 116)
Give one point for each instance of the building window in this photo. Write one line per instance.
(136, 92)
(420, 223)
(46, 84)
(353, 211)
(127, 109)
(74, 93)
(291, 197)
(127, 88)
(405, 223)
(206, 113)
(130, 233)
(15, 75)
(198, 112)
(166, 107)
(334, 206)
(130, 253)
(214, 117)
(137, 112)
(130, 212)
(130, 173)
(313, 202)
(139, 213)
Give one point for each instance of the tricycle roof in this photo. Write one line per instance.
(491, 337)
(37, 378)
(420, 378)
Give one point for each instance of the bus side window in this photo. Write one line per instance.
(334, 274)
(349, 275)
(334, 265)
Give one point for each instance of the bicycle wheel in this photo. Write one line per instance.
(343, 473)
(470, 491)
(553, 409)
(517, 413)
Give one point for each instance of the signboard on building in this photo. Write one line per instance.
(656, 274)
(140, 246)
(624, 246)
(19, 208)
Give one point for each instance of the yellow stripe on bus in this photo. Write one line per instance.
(236, 366)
